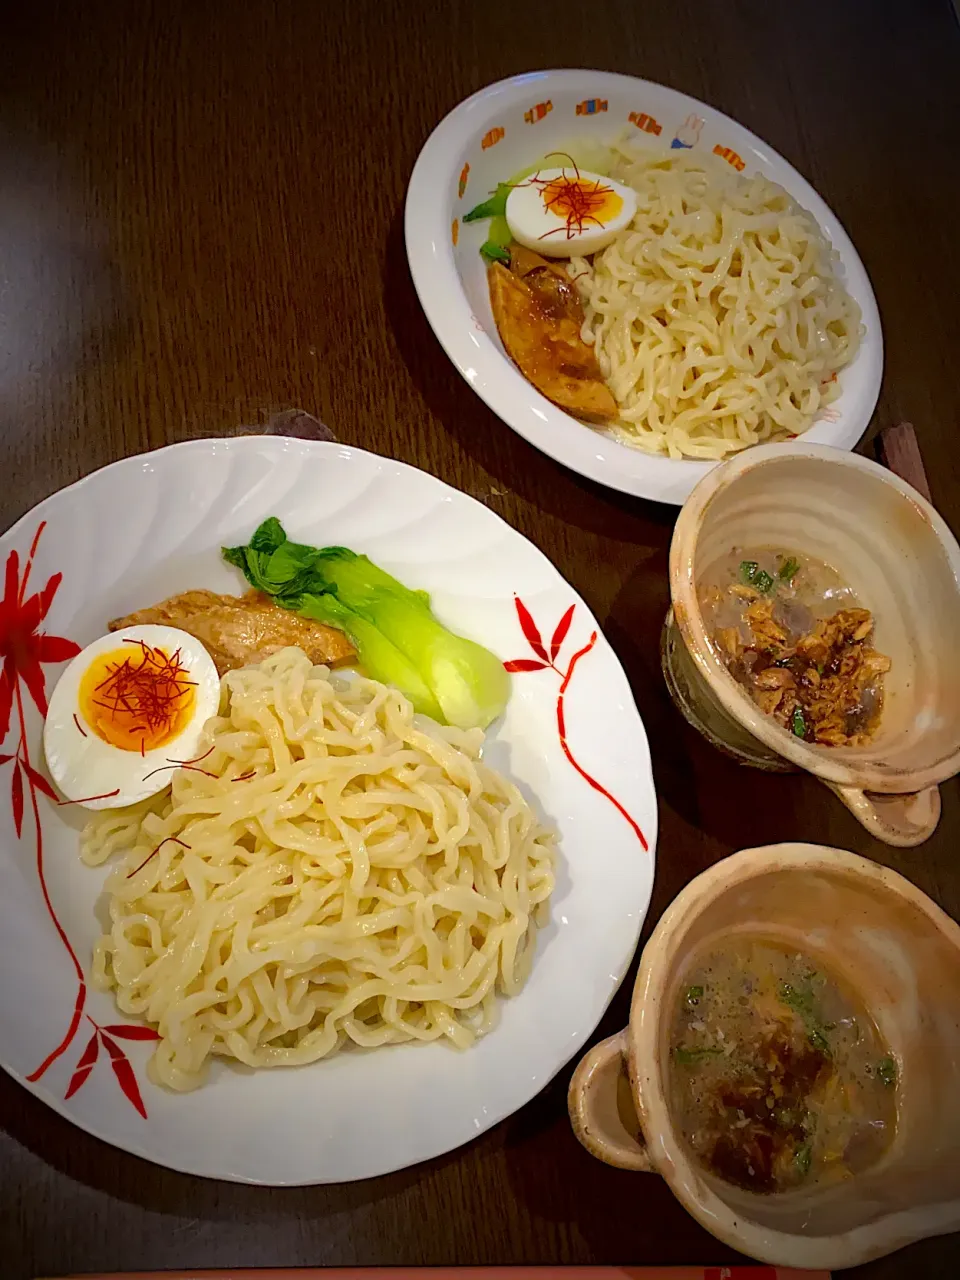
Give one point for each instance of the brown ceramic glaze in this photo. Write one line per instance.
(901, 953)
(888, 544)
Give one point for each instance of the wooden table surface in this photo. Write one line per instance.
(200, 225)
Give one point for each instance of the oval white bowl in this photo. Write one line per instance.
(455, 171)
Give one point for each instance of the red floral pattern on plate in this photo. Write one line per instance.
(122, 1069)
(25, 649)
(547, 660)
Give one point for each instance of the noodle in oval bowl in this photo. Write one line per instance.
(732, 310)
(346, 939)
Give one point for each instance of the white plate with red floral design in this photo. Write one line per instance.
(147, 527)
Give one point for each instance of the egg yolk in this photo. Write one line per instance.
(581, 202)
(137, 697)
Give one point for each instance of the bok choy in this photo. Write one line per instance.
(397, 637)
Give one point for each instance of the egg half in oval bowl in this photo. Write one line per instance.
(126, 710)
(566, 213)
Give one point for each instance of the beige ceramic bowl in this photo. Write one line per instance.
(891, 547)
(902, 954)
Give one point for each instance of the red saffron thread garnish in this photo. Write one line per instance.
(107, 795)
(79, 725)
(185, 764)
(159, 769)
(244, 777)
(179, 764)
(577, 200)
(182, 844)
(152, 691)
(195, 760)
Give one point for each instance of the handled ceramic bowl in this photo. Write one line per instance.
(901, 953)
(903, 563)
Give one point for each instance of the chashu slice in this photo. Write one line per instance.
(538, 316)
(239, 630)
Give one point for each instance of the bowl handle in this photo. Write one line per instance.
(601, 1107)
(903, 820)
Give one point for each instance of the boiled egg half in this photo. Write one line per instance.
(565, 213)
(126, 712)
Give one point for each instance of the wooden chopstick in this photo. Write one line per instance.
(899, 449)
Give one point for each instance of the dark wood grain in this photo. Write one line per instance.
(200, 226)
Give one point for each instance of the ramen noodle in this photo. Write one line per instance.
(718, 317)
(334, 870)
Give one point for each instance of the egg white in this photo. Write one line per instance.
(88, 766)
(529, 221)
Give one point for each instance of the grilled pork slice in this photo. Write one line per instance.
(539, 314)
(239, 630)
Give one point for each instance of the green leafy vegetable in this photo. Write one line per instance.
(496, 247)
(694, 995)
(381, 659)
(495, 252)
(690, 1057)
(494, 207)
(788, 570)
(819, 1041)
(754, 576)
(798, 723)
(269, 537)
(799, 999)
(399, 640)
(803, 1002)
(887, 1072)
(802, 1159)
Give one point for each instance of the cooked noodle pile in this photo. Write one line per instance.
(372, 882)
(718, 316)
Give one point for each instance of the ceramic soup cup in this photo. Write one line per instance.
(900, 952)
(903, 563)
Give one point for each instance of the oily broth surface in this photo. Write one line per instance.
(778, 1075)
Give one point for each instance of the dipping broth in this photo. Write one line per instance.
(778, 1076)
(794, 635)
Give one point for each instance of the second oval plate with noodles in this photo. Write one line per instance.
(733, 309)
(430, 922)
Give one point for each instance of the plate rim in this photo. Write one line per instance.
(207, 445)
(504, 389)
